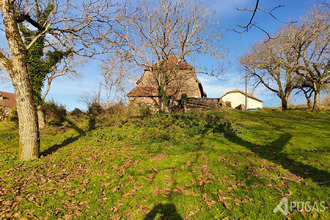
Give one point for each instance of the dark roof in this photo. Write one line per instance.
(146, 91)
(247, 94)
(171, 62)
(7, 99)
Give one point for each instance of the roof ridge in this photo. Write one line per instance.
(247, 94)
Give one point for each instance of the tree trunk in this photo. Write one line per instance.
(284, 103)
(29, 142)
(164, 100)
(46, 92)
(185, 108)
(27, 117)
(317, 98)
(308, 97)
(41, 117)
(309, 102)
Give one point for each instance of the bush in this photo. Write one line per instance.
(184, 99)
(13, 115)
(76, 113)
(116, 109)
(55, 113)
(228, 103)
(144, 109)
(95, 109)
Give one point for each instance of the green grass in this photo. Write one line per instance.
(227, 165)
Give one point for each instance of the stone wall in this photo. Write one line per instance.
(185, 80)
(207, 102)
(153, 102)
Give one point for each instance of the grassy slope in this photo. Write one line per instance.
(178, 167)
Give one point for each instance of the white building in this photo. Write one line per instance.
(237, 97)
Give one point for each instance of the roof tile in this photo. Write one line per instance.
(7, 99)
(145, 91)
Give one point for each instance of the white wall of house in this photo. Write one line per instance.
(237, 98)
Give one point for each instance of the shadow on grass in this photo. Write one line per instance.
(273, 152)
(167, 211)
(67, 141)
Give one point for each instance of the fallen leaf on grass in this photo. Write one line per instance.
(70, 193)
(85, 182)
(223, 201)
(115, 189)
(179, 190)
(247, 199)
(115, 217)
(237, 202)
(78, 213)
(192, 213)
(113, 209)
(68, 216)
(145, 209)
(17, 214)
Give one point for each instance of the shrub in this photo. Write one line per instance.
(13, 115)
(95, 109)
(144, 109)
(76, 113)
(228, 103)
(55, 113)
(117, 109)
(184, 99)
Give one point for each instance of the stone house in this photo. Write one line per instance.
(7, 103)
(182, 80)
(237, 99)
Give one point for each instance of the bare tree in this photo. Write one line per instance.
(264, 64)
(116, 75)
(68, 69)
(88, 98)
(299, 51)
(256, 9)
(152, 32)
(310, 42)
(252, 21)
(82, 24)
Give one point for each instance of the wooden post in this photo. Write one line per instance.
(246, 92)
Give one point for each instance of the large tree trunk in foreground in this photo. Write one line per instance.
(29, 142)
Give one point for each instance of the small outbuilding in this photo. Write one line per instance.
(237, 99)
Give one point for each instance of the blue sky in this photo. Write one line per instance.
(68, 92)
